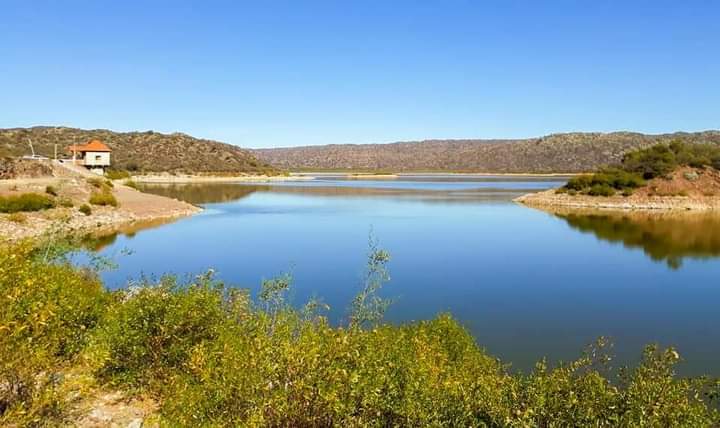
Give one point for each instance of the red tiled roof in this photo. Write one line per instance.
(91, 146)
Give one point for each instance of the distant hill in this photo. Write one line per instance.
(139, 151)
(571, 152)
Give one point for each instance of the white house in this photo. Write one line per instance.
(94, 155)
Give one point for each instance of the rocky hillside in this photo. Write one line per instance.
(18, 168)
(573, 152)
(139, 151)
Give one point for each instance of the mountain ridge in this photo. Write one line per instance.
(146, 151)
(553, 153)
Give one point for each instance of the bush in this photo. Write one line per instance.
(117, 174)
(641, 165)
(131, 184)
(85, 209)
(579, 183)
(51, 190)
(103, 198)
(96, 182)
(601, 190)
(47, 311)
(17, 217)
(25, 202)
(660, 160)
(65, 203)
(214, 357)
(152, 331)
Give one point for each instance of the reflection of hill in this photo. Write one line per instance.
(202, 193)
(99, 240)
(225, 192)
(662, 236)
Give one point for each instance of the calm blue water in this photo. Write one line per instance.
(526, 283)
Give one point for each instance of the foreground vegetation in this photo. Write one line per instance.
(213, 355)
(636, 167)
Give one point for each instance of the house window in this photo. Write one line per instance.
(97, 158)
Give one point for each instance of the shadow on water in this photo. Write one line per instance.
(666, 237)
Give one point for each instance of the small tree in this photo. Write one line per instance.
(368, 308)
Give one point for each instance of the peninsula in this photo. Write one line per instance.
(675, 176)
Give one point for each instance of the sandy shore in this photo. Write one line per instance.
(549, 198)
(134, 207)
(179, 179)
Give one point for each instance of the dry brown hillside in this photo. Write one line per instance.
(139, 151)
(573, 152)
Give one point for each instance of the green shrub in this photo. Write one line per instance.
(131, 184)
(51, 190)
(117, 174)
(641, 165)
(660, 160)
(65, 203)
(153, 330)
(581, 182)
(103, 198)
(96, 182)
(17, 218)
(656, 161)
(47, 310)
(85, 209)
(601, 190)
(25, 202)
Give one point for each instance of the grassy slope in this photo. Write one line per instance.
(145, 151)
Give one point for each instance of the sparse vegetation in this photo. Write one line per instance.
(65, 202)
(85, 209)
(558, 153)
(659, 161)
(131, 184)
(25, 202)
(103, 198)
(117, 174)
(51, 190)
(140, 152)
(17, 217)
(638, 166)
(215, 357)
(96, 182)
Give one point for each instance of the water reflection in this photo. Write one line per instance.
(199, 194)
(442, 192)
(668, 237)
(98, 241)
(526, 283)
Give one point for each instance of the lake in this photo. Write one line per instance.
(526, 283)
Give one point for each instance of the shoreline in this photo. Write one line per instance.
(134, 209)
(437, 173)
(550, 199)
(181, 179)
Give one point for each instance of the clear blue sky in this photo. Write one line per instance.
(275, 73)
